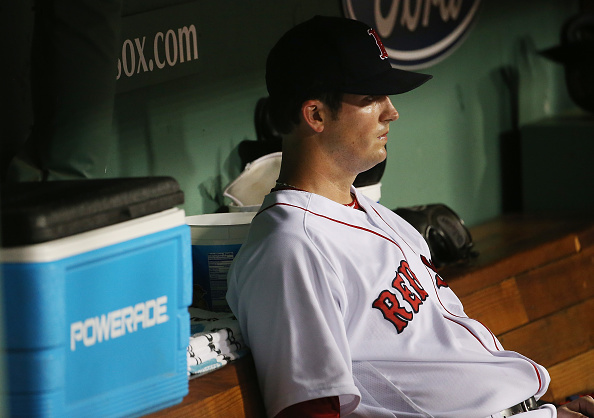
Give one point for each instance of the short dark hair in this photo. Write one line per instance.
(284, 110)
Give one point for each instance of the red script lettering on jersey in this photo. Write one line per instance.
(438, 279)
(388, 303)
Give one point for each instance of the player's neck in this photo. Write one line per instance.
(336, 191)
(305, 168)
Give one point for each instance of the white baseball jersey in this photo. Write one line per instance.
(335, 301)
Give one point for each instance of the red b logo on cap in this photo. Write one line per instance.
(378, 42)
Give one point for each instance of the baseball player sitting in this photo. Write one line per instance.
(336, 295)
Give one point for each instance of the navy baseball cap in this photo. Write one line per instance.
(333, 53)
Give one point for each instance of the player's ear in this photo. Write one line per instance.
(312, 112)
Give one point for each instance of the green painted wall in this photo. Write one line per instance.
(444, 148)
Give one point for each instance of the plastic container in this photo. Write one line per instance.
(96, 322)
(251, 208)
(372, 191)
(216, 239)
(248, 190)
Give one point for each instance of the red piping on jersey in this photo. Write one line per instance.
(437, 293)
(334, 220)
(390, 226)
(396, 244)
(457, 316)
(479, 340)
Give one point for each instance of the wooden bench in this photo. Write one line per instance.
(532, 285)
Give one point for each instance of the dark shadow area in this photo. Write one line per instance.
(510, 145)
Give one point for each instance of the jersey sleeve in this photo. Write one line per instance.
(288, 301)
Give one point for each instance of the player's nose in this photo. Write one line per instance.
(389, 113)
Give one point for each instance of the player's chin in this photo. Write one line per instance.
(382, 154)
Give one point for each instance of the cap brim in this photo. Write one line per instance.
(392, 81)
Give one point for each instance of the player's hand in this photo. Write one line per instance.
(581, 407)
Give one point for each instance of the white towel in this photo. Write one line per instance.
(214, 337)
(215, 341)
(221, 347)
(213, 364)
(201, 357)
(207, 321)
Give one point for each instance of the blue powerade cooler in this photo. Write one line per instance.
(97, 279)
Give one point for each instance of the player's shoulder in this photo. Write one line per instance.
(282, 210)
(279, 221)
(277, 238)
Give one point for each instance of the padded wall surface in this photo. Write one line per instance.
(73, 61)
